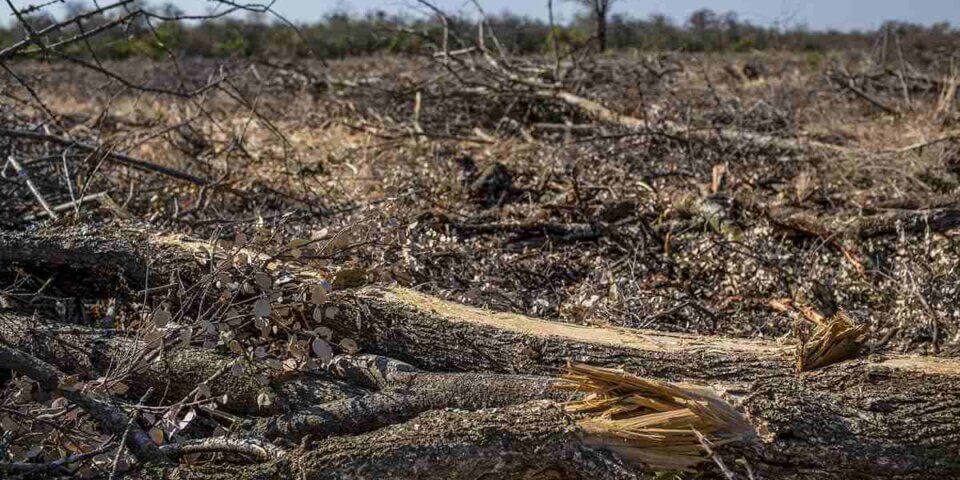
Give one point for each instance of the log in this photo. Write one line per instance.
(533, 440)
(85, 252)
(935, 220)
(604, 114)
(876, 417)
(405, 395)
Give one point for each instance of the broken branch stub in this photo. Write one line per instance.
(658, 425)
(833, 341)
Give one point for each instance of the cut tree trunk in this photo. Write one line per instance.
(87, 259)
(405, 396)
(530, 441)
(894, 417)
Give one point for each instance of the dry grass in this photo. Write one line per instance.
(655, 424)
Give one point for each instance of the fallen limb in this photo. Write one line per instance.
(61, 466)
(953, 135)
(22, 172)
(937, 220)
(120, 158)
(865, 227)
(96, 197)
(110, 417)
(850, 85)
(602, 113)
(251, 447)
(101, 259)
(561, 232)
(533, 440)
(405, 395)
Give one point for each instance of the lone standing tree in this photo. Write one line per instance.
(599, 11)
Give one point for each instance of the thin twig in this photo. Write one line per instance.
(22, 172)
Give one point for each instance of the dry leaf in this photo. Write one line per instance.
(324, 332)
(349, 346)
(261, 309)
(264, 399)
(263, 280)
(203, 390)
(274, 363)
(161, 318)
(322, 350)
(156, 435)
(318, 294)
(9, 424)
(208, 327)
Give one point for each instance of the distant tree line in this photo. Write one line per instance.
(340, 35)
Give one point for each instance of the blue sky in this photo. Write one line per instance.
(817, 14)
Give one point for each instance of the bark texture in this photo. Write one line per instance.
(533, 440)
(406, 398)
(86, 259)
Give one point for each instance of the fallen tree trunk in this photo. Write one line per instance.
(534, 440)
(86, 259)
(604, 114)
(879, 418)
(937, 220)
(405, 395)
(65, 255)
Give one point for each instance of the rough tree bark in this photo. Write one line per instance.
(109, 416)
(533, 440)
(404, 395)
